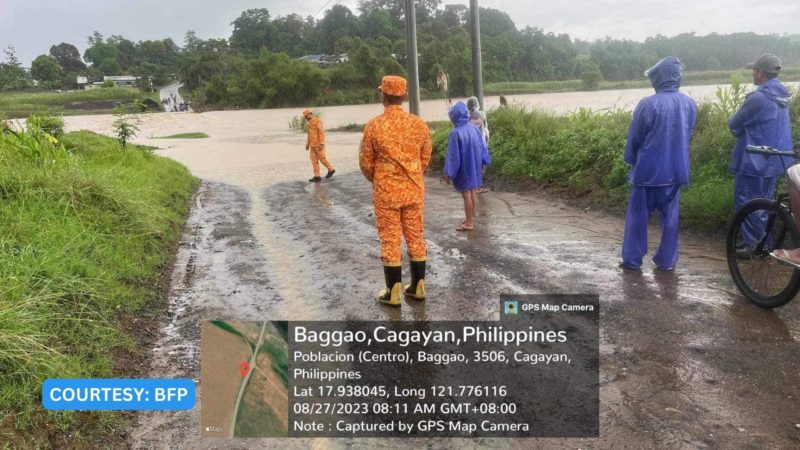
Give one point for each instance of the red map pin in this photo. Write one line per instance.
(244, 367)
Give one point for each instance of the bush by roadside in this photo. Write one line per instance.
(85, 231)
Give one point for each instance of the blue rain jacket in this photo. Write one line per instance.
(762, 120)
(661, 130)
(467, 152)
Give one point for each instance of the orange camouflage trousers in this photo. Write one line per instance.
(396, 222)
(318, 156)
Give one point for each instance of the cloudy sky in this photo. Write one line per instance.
(32, 26)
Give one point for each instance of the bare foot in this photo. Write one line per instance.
(790, 256)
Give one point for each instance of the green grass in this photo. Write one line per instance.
(257, 419)
(689, 78)
(531, 87)
(583, 152)
(279, 357)
(437, 124)
(22, 104)
(349, 128)
(85, 230)
(194, 135)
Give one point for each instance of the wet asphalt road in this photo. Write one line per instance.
(685, 361)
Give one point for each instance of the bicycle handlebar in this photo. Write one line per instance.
(769, 151)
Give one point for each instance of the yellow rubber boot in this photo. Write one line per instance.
(416, 289)
(394, 286)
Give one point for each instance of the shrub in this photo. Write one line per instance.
(794, 113)
(125, 127)
(591, 76)
(729, 100)
(33, 145)
(299, 123)
(50, 124)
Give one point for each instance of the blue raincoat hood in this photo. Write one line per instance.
(467, 151)
(775, 90)
(661, 130)
(459, 114)
(666, 74)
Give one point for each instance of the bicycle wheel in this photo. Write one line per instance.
(760, 227)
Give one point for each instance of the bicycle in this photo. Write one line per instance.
(764, 279)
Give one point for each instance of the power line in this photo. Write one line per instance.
(323, 7)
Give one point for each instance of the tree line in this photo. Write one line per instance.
(258, 65)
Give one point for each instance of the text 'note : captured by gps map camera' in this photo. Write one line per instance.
(533, 373)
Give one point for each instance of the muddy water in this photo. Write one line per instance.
(253, 123)
(686, 362)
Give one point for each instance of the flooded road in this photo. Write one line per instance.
(686, 362)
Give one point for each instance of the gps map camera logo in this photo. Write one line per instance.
(510, 306)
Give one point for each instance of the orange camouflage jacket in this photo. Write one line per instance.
(395, 151)
(316, 134)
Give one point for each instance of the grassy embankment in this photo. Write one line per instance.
(193, 135)
(582, 153)
(689, 78)
(86, 229)
(15, 105)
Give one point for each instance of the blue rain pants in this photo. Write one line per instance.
(644, 200)
(745, 189)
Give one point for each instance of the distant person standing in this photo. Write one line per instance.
(467, 155)
(763, 119)
(477, 117)
(658, 151)
(395, 151)
(315, 143)
(443, 81)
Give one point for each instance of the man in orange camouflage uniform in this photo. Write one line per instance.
(395, 151)
(316, 144)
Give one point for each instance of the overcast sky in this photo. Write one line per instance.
(32, 26)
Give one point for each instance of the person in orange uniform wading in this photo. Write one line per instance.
(316, 145)
(395, 151)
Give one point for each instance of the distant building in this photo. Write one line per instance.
(118, 80)
(122, 80)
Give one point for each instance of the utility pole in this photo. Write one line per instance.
(413, 64)
(477, 63)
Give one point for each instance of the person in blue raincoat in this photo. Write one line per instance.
(763, 119)
(658, 151)
(467, 154)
